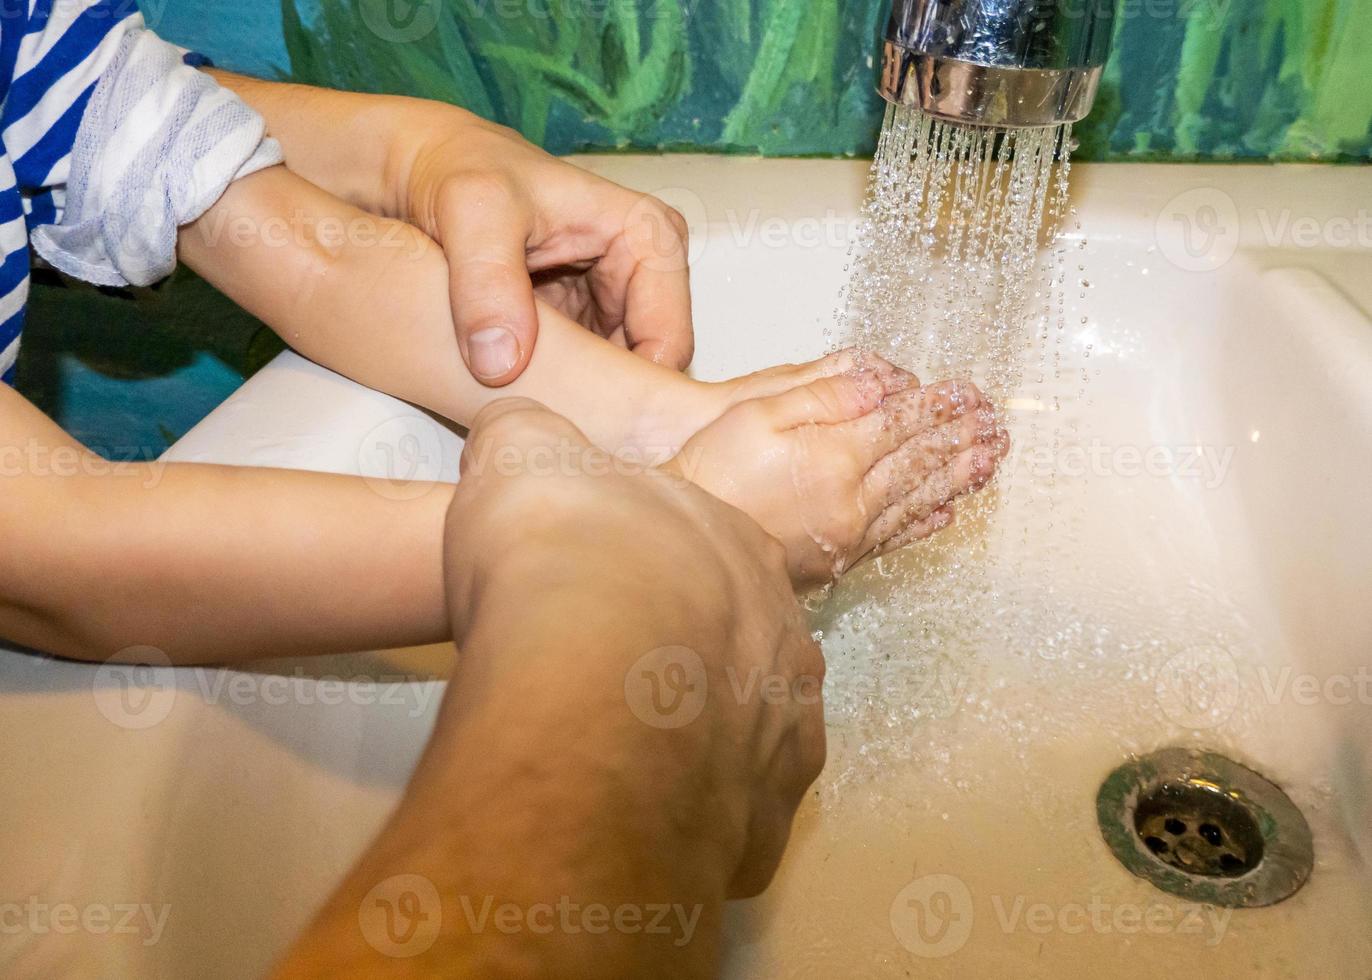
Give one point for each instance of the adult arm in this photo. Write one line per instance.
(563, 821)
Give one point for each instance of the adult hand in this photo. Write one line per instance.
(515, 221)
(512, 219)
(642, 561)
(560, 779)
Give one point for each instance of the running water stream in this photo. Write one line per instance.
(947, 257)
(959, 270)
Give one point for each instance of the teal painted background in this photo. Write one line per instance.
(1188, 79)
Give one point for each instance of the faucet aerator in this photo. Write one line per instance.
(1002, 63)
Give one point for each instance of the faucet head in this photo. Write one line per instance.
(1002, 63)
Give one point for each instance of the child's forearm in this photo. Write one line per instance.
(206, 563)
(368, 297)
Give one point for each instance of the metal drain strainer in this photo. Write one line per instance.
(1203, 827)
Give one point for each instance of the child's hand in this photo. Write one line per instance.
(848, 465)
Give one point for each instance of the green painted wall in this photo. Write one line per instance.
(1189, 79)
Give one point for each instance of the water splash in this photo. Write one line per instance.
(959, 271)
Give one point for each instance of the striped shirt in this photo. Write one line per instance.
(110, 141)
(51, 55)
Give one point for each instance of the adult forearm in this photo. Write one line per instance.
(356, 146)
(543, 801)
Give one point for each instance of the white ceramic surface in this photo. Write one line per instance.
(233, 800)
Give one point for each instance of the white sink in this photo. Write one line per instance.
(1166, 599)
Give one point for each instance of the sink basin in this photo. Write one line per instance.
(1177, 555)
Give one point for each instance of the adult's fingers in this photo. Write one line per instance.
(520, 426)
(642, 283)
(484, 230)
(793, 766)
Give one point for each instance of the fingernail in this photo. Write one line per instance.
(868, 383)
(983, 468)
(898, 379)
(987, 427)
(492, 352)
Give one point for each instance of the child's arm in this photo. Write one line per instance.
(205, 563)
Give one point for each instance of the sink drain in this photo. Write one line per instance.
(1199, 829)
(1203, 827)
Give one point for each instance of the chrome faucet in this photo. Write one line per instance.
(1003, 63)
